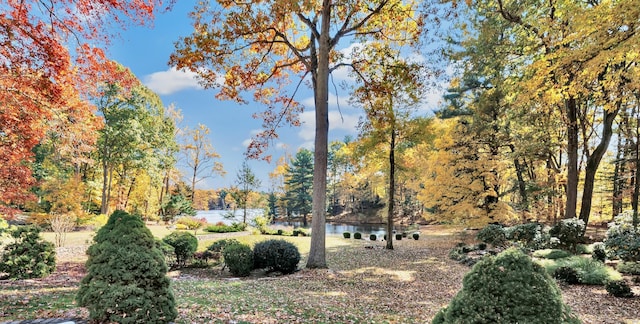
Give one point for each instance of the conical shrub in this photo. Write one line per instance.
(507, 288)
(126, 278)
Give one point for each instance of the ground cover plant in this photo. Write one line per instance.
(419, 275)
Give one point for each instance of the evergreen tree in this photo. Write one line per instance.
(126, 278)
(299, 180)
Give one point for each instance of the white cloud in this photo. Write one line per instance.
(171, 81)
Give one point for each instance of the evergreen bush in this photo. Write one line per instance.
(623, 240)
(569, 232)
(346, 235)
(357, 235)
(493, 234)
(29, 256)
(415, 236)
(507, 288)
(619, 288)
(398, 237)
(276, 255)
(239, 258)
(599, 253)
(529, 234)
(373, 237)
(184, 245)
(567, 275)
(126, 278)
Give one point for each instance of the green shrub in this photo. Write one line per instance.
(29, 256)
(239, 258)
(590, 272)
(357, 235)
(373, 237)
(126, 278)
(529, 235)
(301, 232)
(276, 255)
(632, 268)
(493, 234)
(623, 240)
(619, 288)
(567, 275)
(184, 245)
(222, 228)
(552, 254)
(167, 250)
(415, 236)
(346, 235)
(507, 288)
(569, 232)
(219, 245)
(599, 253)
(398, 237)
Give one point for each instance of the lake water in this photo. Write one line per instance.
(228, 217)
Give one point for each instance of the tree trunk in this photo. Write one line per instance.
(392, 186)
(616, 206)
(317, 257)
(522, 186)
(594, 161)
(572, 158)
(104, 203)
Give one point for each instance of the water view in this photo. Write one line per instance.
(229, 216)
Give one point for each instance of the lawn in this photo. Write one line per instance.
(364, 284)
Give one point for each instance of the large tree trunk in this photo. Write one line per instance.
(392, 187)
(572, 158)
(594, 161)
(317, 257)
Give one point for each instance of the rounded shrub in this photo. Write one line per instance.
(623, 240)
(492, 234)
(357, 235)
(507, 288)
(126, 278)
(569, 232)
(619, 288)
(29, 256)
(373, 237)
(415, 236)
(599, 253)
(239, 258)
(346, 235)
(526, 234)
(276, 255)
(567, 275)
(184, 245)
(398, 237)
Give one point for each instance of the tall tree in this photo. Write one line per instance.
(52, 55)
(260, 46)
(200, 156)
(246, 181)
(299, 180)
(390, 91)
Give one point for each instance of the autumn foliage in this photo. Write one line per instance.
(52, 56)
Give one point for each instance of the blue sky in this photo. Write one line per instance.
(146, 52)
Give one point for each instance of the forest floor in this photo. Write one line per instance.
(365, 283)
